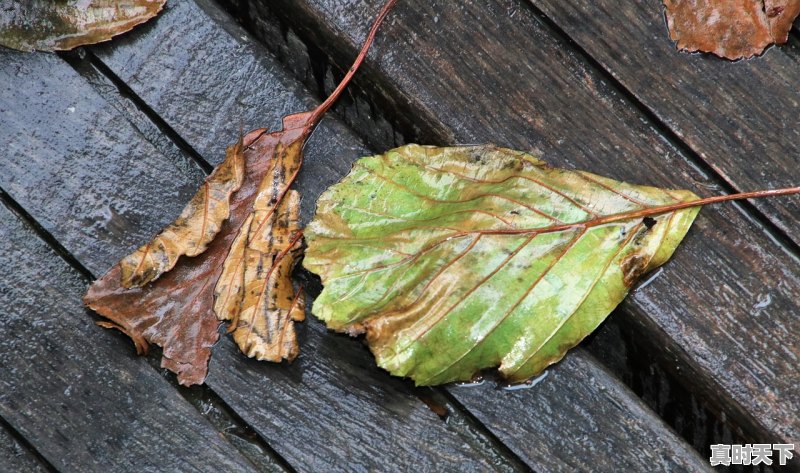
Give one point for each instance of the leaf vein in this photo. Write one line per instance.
(567, 247)
(586, 294)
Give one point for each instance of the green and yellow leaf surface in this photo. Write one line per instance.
(455, 260)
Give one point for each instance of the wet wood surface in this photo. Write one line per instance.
(725, 309)
(17, 454)
(98, 167)
(743, 123)
(84, 404)
(272, 399)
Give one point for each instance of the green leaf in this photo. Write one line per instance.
(454, 260)
(54, 25)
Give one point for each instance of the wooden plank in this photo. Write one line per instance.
(324, 412)
(332, 409)
(256, 92)
(81, 125)
(723, 309)
(83, 403)
(329, 156)
(15, 457)
(637, 365)
(741, 118)
(592, 435)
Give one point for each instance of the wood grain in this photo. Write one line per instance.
(95, 143)
(322, 413)
(591, 433)
(723, 308)
(15, 457)
(68, 388)
(331, 366)
(740, 118)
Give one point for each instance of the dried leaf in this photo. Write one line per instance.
(48, 25)
(193, 230)
(240, 240)
(732, 29)
(255, 291)
(454, 260)
(176, 311)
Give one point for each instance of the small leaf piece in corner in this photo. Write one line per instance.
(732, 29)
(454, 260)
(48, 25)
(194, 229)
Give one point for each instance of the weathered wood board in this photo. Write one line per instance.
(383, 423)
(83, 403)
(740, 118)
(276, 406)
(102, 170)
(730, 283)
(327, 158)
(15, 457)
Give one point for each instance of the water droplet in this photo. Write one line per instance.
(764, 301)
(650, 280)
(479, 381)
(526, 385)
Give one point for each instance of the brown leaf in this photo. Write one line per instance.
(176, 311)
(238, 261)
(193, 230)
(255, 291)
(733, 29)
(48, 25)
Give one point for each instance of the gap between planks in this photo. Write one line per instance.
(14, 433)
(776, 233)
(227, 413)
(751, 211)
(375, 109)
(465, 424)
(86, 63)
(746, 208)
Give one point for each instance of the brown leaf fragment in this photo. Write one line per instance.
(176, 311)
(193, 230)
(48, 25)
(256, 291)
(230, 286)
(733, 29)
(141, 344)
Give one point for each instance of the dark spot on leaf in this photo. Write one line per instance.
(775, 11)
(649, 222)
(477, 155)
(632, 268)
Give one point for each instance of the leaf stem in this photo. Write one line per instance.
(695, 203)
(362, 55)
(648, 212)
